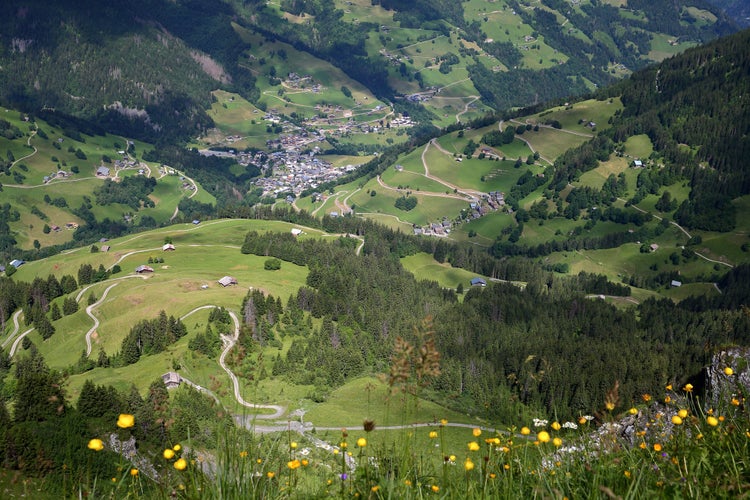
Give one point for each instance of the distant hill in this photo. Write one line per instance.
(145, 68)
(738, 10)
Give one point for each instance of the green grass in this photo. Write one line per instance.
(424, 267)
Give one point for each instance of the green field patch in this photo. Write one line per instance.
(412, 181)
(366, 397)
(576, 117)
(639, 146)
(550, 142)
(362, 10)
(595, 178)
(664, 46)
(487, 227)
(424, 267)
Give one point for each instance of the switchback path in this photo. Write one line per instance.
(16, 327)
(90, 314)
(229, 343)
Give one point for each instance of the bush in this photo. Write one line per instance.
(272, 264)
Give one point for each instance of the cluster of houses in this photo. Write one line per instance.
(492, 201)
(294, 172)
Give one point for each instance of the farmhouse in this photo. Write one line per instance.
(168, 247)
(144, 269)
(675, 284)
(172, 380)
(478, 282)
(16, 263)
(227, 280)
(637, 164)
(102, 171)
(105, 248)
(296, 232)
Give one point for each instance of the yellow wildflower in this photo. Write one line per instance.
(728, 371)
(476, 432)
(361, 442)
(407, 482)
(180, 464)
(633, 411)
(735, 402)
(642, 446)
(556, 426)
(646, 397)
(243, 454)
(443, 421)
(452, 458)
(305, 462)
(293, 464)
(168, 454)
(506, 466)
(270, 474)
(177, 447)
(688, 388)
(96, 445)
(657, 447)
(557, 442)
(667, 400)
(525, 431)
(375, 488)
(676, 420)
(435, 488)
(543, 437)
(433, 434)
(468, 465)
(473, 446)
(609, 405)
(125, 421)
(293, 445)
(134, 472)
(683, 413)
(582, 420)
(627, 474)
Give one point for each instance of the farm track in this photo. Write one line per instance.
(685, 233)
(16, 327)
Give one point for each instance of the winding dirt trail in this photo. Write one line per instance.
(16, 327)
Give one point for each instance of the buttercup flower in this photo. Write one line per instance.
(476, 432)
(177, 447)
(293, 445)
(557, 442)
(293, 464)
(96, 445)
(676, 420)
(180, 464)
(712, 421)
(270, 474)
(556, 426)
(433, 434)
(468, 465)
(125, 421)
(633, 411)
(657, 447)
(435, 488)
(361, 442)
(525, 431)
(543, 437)
(728, 371)
(133, 472)
(168, 454)
(473, 446)
(683, 413)
(688, 388)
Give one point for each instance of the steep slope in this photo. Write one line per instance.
(123, 65)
